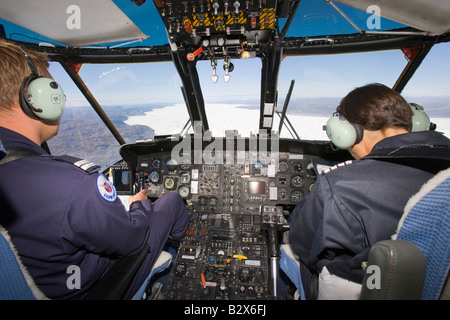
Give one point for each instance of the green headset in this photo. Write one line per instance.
(420, 120)
(41, 98)
(344, 134)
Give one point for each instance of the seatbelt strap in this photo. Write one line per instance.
(13, 154)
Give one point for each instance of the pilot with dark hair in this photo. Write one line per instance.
(355, 204)
(61, 212)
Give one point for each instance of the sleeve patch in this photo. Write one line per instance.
(106, 189)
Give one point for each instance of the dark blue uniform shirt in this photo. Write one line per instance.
(59, 215)
(359, 203)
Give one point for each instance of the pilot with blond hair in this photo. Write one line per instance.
(61, 211)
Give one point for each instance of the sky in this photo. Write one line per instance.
(315, 76)
(318, 76)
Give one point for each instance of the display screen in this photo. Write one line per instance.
(122, 180)
(256, 187)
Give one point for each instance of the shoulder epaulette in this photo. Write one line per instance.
(339, 165)
(83, 164)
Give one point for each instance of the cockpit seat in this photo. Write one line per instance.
(162, 263)
(415, 263)
(422, 237)
(17, 284)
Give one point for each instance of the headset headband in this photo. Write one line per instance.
(30, 63)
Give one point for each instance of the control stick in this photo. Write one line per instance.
(140, 181)
(273, 220)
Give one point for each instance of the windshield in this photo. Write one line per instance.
(144, 100)
(322, 81)
(139, 99)
(232, 105)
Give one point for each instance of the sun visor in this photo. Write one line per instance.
(428, 15)
(73, 23)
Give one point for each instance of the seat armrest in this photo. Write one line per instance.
(398, 273)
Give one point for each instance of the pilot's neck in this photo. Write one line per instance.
(35, 130)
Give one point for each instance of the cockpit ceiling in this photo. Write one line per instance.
(430, 16)
(73, 23)
(130, 23)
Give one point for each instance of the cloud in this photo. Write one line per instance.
(114, 79)
(106, 73)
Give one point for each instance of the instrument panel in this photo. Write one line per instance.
(239, 188)
(237, 205)
(225, 252)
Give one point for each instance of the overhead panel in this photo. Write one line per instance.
(72, 23)
(219, 24)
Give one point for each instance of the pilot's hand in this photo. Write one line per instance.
(141, 195)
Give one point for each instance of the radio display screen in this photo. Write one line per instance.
(122, 180)
(256, 187)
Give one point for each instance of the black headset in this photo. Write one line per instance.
(41, 98)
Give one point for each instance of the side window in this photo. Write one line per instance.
(430, 87)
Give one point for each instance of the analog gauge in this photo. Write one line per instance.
(283, 194)
(297, 167)
(156, 163)
(154, 176)
(185, 177)
(296, 196)
(183, 191)
(169, 183)
(283, 166)
(170, 165)
(185, 164)
(202, 201)
(296, 182)
(213, 201)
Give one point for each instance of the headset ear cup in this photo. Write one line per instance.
(420, 119)
(342, 133)
(39, 97)
(359, 132)
(43, 98)
(23, 97)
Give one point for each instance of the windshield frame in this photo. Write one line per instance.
(205, 72)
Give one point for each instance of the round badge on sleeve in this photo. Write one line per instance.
(106, 189)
